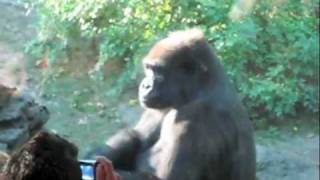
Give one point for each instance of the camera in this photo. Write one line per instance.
(88, 169)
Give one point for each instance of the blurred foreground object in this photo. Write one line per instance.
(46, 156)
(20, 117)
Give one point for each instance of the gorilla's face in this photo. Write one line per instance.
(156, 89)
(168, 83)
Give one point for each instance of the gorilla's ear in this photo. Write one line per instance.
(198, 64)
(195, 62)
(188, 67)
(203, 67)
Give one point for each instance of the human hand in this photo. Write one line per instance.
(105, 170)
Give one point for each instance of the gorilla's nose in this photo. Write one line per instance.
(147, 84)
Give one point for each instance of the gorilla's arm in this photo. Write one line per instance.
(123, 147)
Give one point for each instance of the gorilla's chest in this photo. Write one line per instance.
(149, 160)
(158, 156)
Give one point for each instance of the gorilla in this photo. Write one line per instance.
(194, 126)
(45, 157)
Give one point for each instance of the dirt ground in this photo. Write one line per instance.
(290, 153)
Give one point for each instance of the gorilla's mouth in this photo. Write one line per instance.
(154, 103)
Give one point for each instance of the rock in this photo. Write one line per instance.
(3, 159)
(20, 118)
(14, 137)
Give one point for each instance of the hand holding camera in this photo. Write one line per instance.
(100, 169)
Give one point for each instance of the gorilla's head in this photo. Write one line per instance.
(176, 69)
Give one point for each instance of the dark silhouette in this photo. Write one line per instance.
(45, 157)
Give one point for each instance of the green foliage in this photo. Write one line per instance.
(271, 55)
(273, 58)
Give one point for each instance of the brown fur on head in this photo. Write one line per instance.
(175, 41)
(45, 157)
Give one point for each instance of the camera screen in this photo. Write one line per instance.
(87, 169)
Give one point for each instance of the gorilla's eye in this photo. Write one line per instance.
(156, 68)
(148, 66)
